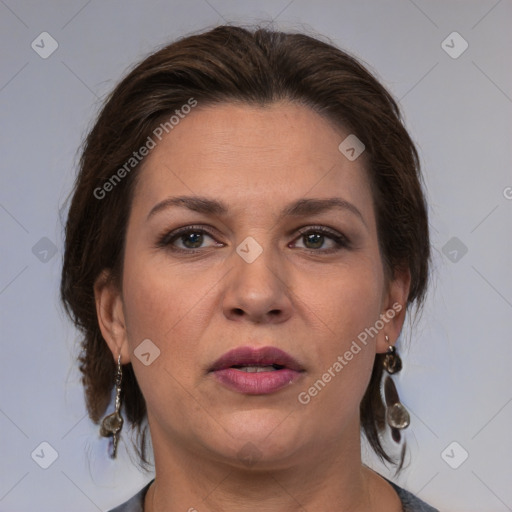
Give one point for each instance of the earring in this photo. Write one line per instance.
(397, 416)
(112, 424)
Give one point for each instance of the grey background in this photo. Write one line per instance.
(456, 380)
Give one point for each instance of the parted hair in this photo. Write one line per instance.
(234, 64)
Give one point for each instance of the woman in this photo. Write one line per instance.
(247, 232)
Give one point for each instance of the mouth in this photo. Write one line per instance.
(256, 371)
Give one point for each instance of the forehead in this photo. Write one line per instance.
(252, 154)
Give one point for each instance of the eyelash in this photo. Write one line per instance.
(166, 240)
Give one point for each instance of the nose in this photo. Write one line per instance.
(257, 290)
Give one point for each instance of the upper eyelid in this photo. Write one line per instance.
(323, 229)
(209, 229)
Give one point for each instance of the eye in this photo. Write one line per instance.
(314, 238)
(190, 238)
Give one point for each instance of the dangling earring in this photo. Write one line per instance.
(397, 416)
(112, 424)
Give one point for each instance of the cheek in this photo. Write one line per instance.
(148, 304)
(348, 305)
(167, 305)
(158, 305)
(349, 300)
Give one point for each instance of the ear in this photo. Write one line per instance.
(394, 308)
(109, 310)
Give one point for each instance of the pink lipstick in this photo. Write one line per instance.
(256, 371)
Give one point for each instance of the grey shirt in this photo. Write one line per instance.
(410, 503)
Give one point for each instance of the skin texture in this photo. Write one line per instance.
(299, 295)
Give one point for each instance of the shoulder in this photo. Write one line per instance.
(135, 503)
(410, 502)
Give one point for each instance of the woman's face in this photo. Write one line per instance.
(263, 262)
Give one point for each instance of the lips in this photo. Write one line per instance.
(265, 356)
(256, 371)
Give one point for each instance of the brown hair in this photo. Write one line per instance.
(226, 64)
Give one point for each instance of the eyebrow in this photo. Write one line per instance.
(299, 208)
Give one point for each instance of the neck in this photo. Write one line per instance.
(333, 474)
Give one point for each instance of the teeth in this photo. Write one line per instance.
(256, 369)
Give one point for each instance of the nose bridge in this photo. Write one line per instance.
(256, 284)
(255, 261)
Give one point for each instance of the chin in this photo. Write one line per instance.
(255, 439)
